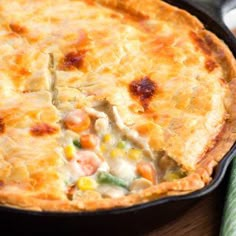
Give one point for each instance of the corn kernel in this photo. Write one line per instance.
(69, 151)
(171, 176)
(174, 175)
(86, 183)
(103, 147)
(107, 138)
(116, 152)
(135, 154)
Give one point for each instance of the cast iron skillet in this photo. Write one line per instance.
(138, 219)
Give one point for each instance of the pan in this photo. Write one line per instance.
(138, 219)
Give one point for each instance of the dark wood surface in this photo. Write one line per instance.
(203, 219)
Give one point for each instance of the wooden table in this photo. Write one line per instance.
(203, 219)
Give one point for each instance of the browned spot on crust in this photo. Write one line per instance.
(144, 89)
(27, 91)
(223, 81)
(1, 183)
(18, 28)
(43, 130)
(210, 65)
(2, 126)
(90, 2)
(24, 72)
(72, 60)
(132, 15)
(114, 15)
(200, 43)
(214, 47)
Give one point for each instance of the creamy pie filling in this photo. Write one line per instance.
(105, 157)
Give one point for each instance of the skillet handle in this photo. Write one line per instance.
(215, 8)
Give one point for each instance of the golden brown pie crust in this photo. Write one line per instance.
(212, 47)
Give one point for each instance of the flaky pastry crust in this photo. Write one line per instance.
(43, 191)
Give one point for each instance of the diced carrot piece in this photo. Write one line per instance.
(147, 171)
(88, 141)
(77, 120)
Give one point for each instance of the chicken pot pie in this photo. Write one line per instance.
(109, 103)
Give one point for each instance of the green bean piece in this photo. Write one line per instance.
(106, 178)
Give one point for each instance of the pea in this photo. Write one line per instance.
(77, 144)
(121, 144)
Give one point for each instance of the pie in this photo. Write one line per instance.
(109, 103)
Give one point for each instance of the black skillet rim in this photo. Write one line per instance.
(222, 32)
